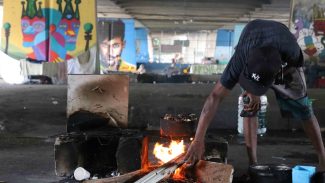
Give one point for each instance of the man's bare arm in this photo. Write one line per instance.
(196, 149)
(209, 109)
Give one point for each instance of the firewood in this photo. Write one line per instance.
(204, 172)
(171, 180)
(163, 171)
(120, 179)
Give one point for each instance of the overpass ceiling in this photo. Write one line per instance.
(196, 15)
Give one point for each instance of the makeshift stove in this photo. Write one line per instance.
(99, 141)
(176, 134)
(98, 138)
(114, 151)
(175, 171)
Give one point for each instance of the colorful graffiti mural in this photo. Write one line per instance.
(116, 40)
(48, 30)
(308, 26)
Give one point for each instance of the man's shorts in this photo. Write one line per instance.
(292, 95)
(297, 109)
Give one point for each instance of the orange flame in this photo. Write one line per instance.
(179, 174)
(166, 154)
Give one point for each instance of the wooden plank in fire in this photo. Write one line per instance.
(163, 171)
(204, 171)
(118, 179)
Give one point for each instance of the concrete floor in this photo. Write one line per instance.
(275, 147)
(30, 115)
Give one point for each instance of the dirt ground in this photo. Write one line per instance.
(32, 115)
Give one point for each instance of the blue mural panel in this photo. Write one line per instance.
(116, 39)
(142, 54)
(224, 46)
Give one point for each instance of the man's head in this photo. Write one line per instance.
(111, 41)
(260, 70)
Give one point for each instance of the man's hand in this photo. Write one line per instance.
(194, 152)
(254, 102)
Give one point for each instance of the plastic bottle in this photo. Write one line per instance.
(261, 116)
(240, 127)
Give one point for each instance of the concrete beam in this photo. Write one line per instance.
(110, 10)
(163, 4)
(167, 22)
(177, 18)
(106, 3)
(189, 14)
(193, 10)
(113, 15)
(189, 27)
(191, 1)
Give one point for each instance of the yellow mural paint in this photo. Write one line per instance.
(48, 30)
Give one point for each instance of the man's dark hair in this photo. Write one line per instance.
(109, 29)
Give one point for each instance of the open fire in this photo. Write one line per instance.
(165, 154)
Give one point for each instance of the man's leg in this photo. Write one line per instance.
(312, 130)
(250, 127)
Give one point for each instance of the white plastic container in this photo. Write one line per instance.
(240, 127)
(261, 115)
(81, 174)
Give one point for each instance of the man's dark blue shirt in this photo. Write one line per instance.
(261, 33)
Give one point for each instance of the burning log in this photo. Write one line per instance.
(120, 179)
(203, 172)
(163, 171)
(170, 180)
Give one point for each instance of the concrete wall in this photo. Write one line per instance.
(148, 102)
(41, 109)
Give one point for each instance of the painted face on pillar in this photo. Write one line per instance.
(111, 50)
(30, 29)
(69, 29)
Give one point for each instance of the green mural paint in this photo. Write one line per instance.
(23, 13)
(59, 2)
(77, 14)
(39, 11)
(7, 27)
(68, 10)
(88, 29)
(31, 10)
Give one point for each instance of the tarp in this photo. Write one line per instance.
(10, 70)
